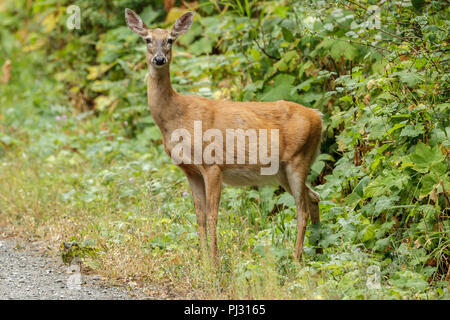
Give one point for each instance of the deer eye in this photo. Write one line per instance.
(148, 40)
(169, 41)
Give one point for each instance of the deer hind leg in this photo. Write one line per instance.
(213, 186)
(199, 195)
(313, 196)
(296, 174)
(313, 201)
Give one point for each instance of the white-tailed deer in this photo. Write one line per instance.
(202, 123)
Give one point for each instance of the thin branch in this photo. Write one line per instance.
(357, 4)
(264, 51)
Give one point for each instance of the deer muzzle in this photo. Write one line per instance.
(159, 60)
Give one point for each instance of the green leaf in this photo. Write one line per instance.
(308, 98)
(305, 85)
(424, 157)
(409, 279)
(287, 35)
(385, 185)
(381, 244)
(153, 133)
(412, 131)
(429, 182)
(201, 46)
(418, 4)
(369, 233)
(439, 168)
(383, 203)
(395, 127)
(336, 49)
(317, 168)
(342, 48)
(287, 62)
(286, 199)
(281, 88)
(409, 77)
(443, 107)
(195, 31)
(304, 67)
(315, 231)
(149, 14)
(359, 189)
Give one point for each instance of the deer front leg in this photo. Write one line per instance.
(199, 195)
(213, 185)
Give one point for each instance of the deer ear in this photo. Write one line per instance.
(182, 25)
(135, 23)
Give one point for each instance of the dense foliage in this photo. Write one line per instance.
(77, 142)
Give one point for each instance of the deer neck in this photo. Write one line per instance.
(160, 95)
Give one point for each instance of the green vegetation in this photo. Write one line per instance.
(81, 160)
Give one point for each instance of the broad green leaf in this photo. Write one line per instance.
(281, 88)
(381, 244)
(412, 131)
(424, 157)
(315, 233)
(411, 78)
(369, 233)
(429, 182)
(287, 200)
(287, 34)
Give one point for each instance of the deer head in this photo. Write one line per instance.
(159, 41)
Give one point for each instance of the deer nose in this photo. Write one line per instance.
(160, 60)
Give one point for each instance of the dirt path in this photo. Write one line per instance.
(27, 273)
